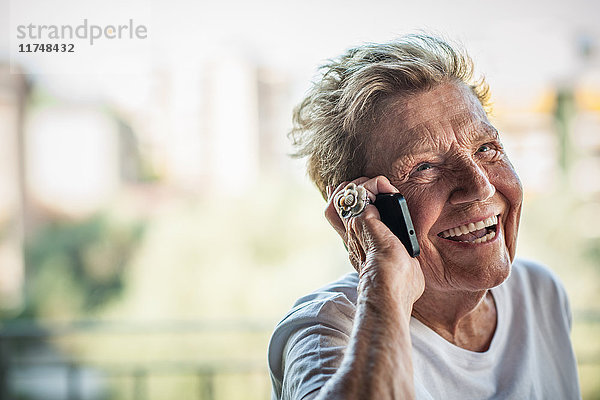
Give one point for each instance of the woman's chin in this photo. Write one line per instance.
(472, 269)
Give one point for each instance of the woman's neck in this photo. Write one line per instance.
(466, 319)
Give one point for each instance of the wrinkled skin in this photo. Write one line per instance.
(440, 151)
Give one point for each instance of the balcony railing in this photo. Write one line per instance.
(36, 363)
(39, 361)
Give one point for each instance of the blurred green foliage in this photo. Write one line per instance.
(76, 268)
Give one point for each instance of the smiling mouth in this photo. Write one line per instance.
(474, 232)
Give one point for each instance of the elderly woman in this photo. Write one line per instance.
(464, 319)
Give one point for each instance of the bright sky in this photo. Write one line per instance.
(516, 43)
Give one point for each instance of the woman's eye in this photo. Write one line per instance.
(423, 167)
(484, 148)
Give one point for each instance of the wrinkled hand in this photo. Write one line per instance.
(374, 251)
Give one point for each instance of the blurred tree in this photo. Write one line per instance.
(75, 268)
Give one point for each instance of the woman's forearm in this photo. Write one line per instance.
(378, 361)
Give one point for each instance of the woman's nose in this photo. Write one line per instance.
(472, 184)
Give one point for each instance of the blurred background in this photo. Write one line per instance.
(153, 229)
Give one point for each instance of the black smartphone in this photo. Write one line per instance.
(394, 214)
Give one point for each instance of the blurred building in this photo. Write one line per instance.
(584, 173)
(205, 128)
(554, 137)
(72, 159)
(13, 92)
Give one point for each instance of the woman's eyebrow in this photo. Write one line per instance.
(425, 144)
(490, 129)
(414, 150)
(487, 133)
(470, 121)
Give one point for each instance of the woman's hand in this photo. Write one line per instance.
(374, 251)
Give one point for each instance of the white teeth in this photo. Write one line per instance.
(471, 227)
(484, 239)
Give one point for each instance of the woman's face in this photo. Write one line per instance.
(441, 152)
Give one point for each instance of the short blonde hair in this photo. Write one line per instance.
(333, 121)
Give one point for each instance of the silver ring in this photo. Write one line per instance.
(352, 201)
